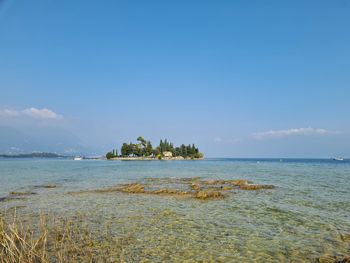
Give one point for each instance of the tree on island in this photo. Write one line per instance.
(149, 149)
(112, 154)
(144, 149)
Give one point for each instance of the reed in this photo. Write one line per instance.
(56, 241)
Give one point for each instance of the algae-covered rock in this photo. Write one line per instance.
(208, 195)
(345, 237)
(238, 182)
(195, 186)
(213, 182)
(255, 186)
(328, 258)
(46, 186)
(21, 193)
(104, 190)
(168, 192)
(133, 188)
(12, 198)
(189, 179)
(49, 186)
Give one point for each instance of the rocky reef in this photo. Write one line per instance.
(23, 195)
(204, 195)
(255, 186)
(46, 186)
(193, 187)
(133, 188)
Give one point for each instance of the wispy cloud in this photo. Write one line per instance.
(9, 113)
(292, 132)
(42, 113)
(34, 113)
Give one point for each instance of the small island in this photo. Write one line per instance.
(143, 150)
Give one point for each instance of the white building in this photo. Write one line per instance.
(167, 154)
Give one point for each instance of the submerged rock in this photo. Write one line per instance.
(168, 192)
(21, 193)
(12, 198)
(185, 180)
(137, 188)
(195, 186)
(236, 182)
(208, 195)
(133, 188)
(328, 258)
(140, 189)
(49, 186)
(345, 237)
(46, 186)
(255, 186)
(105, 190)
(213, 182)
(239, 182)
(2, 199)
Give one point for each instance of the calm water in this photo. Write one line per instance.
(305, 216)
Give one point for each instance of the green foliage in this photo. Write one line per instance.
(142, 141)
(112, 154)
(109, 155)
(156, 151)
(148, 149)
(123, 150)
(198, 155)
(136, 150)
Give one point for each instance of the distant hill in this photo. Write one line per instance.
(32, 155)
(39, 140)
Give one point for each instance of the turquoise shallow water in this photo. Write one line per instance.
(305, 216)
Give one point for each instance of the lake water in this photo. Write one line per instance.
(307, 215)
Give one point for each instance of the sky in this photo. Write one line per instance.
(237, 78)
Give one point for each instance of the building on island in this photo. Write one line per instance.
(167, 154)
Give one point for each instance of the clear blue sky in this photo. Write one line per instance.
(238, 78)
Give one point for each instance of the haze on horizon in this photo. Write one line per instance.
(237, 78)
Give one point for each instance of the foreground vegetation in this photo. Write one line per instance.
(53, 240)
(144, 148)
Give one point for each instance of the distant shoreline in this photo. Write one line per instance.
(33, 155)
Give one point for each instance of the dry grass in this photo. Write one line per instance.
(56, 241)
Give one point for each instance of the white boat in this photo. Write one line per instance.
(77, 158)
(338, 159)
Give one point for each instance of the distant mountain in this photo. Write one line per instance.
(29, 140)
(32, 155)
